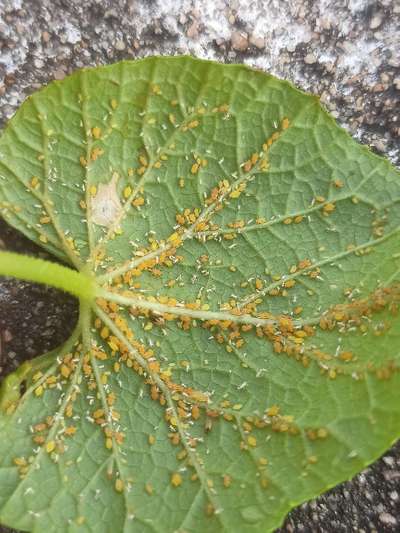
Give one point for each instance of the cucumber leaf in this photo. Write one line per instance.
(242, 352)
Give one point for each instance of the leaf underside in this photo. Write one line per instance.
(243, 353)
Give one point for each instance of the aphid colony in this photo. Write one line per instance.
(191, 405)
(231, 326)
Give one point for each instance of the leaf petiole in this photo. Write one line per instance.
(40, 271)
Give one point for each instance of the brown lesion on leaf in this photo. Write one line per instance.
(105, 202)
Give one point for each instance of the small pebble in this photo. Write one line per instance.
(387, 518)
(193, 30)
(258, 42)
(376, 21)
(239, 41)
(119, 45)
(310, 59)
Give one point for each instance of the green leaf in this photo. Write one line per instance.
(242, 355)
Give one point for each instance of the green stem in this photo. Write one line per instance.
(41, 271)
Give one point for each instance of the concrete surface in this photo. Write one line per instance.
(346, 51)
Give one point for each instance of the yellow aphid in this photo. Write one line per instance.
(328, 208)
(82, 161)
(109, 443)
(252, 441)
(247, 166)
(195, 412)
(176, 479)
(65, 371)
(149, 488)
(259, 284)
(111, 398)
(235, 194)
(175, 238)
(285, 123)
(20, 461)
(119, 485)
(151, 439)
(43, 238)
(44, 220)
(227, 480)
(156, 89)
(193, 124)
(181, 183)
(34, 182)
(273, 411)
(93, 190)
(346, 356)
(181, 455)
(254, 158)
(70, 431)
(50, 446)
(96, 132)
(322, 433)
(114, 103)
(95, 153)
(194, 169)
(138, 201)
(224, 108)
(143, 160)
(39, 391)
(105, 332)
(82, 204)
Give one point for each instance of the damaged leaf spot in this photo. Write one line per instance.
(106, 203)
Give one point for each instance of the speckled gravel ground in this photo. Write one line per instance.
(348, 52)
